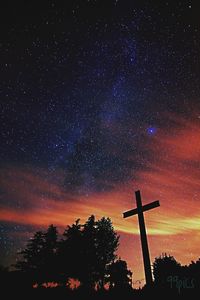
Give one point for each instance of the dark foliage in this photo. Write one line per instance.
(87, 253)
(169, 274)
(119, 276)
(84, 254)
(38, 261)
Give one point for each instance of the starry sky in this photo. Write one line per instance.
(100, 98)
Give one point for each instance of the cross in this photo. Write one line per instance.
(143, 236)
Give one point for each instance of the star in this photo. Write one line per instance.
(151, 131)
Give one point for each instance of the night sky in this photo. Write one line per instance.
(98, 99)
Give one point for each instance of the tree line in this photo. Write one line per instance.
(170, 274)
(86, 253)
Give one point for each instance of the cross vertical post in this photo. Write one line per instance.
(143, 236)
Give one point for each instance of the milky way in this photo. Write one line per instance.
(99, 98)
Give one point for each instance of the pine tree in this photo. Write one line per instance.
(32, 258)
(50, 254)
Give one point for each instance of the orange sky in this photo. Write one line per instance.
(171, 175)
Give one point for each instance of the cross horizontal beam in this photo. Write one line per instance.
(144, 208)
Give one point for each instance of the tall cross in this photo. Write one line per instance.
(143, 236)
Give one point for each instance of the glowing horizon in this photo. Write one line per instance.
(171, 177)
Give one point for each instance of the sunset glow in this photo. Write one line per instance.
(172, 177)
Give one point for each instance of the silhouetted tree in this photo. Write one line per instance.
(119, 276)
(70, 256)
(84, 253)
(86, 250)
(193, 272)
(169, 274)
(107, 243)
(89, 264)
(32, 258)
(49, 253)
(39, 257)
(164, 267)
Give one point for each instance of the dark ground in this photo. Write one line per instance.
(63, 293)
